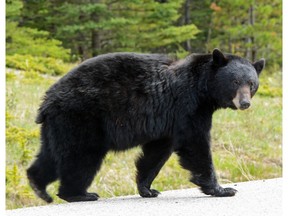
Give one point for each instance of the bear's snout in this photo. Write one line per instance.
(244, 104)
(242, 98)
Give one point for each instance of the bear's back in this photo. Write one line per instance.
(123, 64)
(110, 83)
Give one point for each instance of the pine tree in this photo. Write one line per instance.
(29, 41)
(92, 27)
(248, 28)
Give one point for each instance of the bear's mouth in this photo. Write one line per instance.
(232, 106)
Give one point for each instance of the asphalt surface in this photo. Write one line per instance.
(261, 198)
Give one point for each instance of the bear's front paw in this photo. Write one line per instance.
(224, 192)
(219, 191)
(146, 192)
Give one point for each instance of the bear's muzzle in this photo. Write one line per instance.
(242, 98)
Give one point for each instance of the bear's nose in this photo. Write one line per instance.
(244, 104)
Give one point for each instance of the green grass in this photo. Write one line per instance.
(246, 145)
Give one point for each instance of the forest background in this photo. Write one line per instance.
(46, 38)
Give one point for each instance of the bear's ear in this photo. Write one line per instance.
(259, 65)
(219, 58)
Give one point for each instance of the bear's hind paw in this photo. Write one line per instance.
(39, 191)
(80, 198)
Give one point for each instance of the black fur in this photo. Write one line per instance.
(122, 100)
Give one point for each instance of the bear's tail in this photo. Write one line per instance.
(39, 118)
(43, 112)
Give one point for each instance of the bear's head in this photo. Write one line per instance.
(233, 80)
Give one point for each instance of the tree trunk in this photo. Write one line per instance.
(187, 18)
(95, 43)
(251, 50)
(95, 34)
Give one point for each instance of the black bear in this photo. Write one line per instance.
(117, 101)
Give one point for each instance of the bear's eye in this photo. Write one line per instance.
(236, 82)
(251, 85)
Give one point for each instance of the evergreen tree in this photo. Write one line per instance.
(91, 27)
(248, 28)
(201, 16)
(26, 40)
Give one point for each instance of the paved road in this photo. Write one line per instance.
(261, 198)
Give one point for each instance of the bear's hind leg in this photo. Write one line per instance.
(79, 147)
(77, 173)
(41, 173)
(154, 156)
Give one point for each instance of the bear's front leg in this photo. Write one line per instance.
(195, 156)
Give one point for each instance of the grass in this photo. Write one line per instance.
(246, 144)
(250, 145)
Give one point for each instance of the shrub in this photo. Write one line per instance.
(271, 84)
(50, 66)
(269, 91)
(25, 40)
